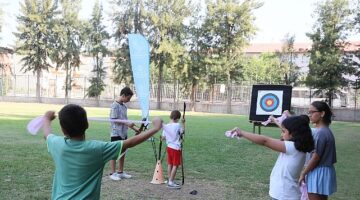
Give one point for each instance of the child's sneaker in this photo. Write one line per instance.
(115, 177)
(173, 185)
(124, 175)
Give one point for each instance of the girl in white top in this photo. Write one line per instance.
(296, 141)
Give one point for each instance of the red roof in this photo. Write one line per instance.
(299, 47)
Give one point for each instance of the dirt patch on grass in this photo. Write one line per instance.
(140, 188)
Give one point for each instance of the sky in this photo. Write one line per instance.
(274, 19)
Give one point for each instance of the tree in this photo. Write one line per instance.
(97, 48)
(326, 72)
(176, 61)
(1, 50)
(1, 19)
(263, 69)
(193, 74)
(67, 41)
(353, 58)
(165, 26)
(287, 56)
(36, 23)
(128, 17)
(229, 26)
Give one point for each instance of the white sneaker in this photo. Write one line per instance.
(115, 177)
(173, 185)
(124, 175)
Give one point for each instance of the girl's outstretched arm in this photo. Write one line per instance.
(275, 121)
(274, 144)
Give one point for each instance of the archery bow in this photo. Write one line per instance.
(182, 137)
(142, 128)
(160, 145)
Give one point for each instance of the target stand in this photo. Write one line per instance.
(268, 100)
(259, 125)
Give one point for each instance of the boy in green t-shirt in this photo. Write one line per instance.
(79, 163)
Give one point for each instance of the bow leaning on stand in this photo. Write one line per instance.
(182, 137)
(142, 128)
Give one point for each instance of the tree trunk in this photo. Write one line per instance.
(38, 86)
(67, 83)
(98, 101)
(193, 96)
(355, 99)
(174, 94)
(212, 90)
(2, 82)
(229, 94)
(330, 96)
(158, 98)
(97, 97)
(287, 81)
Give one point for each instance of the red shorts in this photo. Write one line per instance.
(173, 156)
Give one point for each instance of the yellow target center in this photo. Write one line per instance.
(269, 102)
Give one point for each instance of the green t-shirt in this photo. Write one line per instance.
(79, 166)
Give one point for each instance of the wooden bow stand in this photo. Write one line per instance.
(259, 125)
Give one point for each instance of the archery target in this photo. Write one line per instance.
(269, 102)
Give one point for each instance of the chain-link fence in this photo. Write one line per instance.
(53, 86)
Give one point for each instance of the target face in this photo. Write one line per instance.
(269, 102)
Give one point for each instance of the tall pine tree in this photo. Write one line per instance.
(1, 18)
(36, 22)
(128, 17)
(165, 28)
(326, 71)
(229, 27)
(352, 58)
(98, 50)
(287, 56)
(67, 41)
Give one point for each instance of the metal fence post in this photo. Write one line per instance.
(55, 86)
(84, 88)
(355, 99)
(2, 81)
(114, 92)
(14, 89)
(28, 85)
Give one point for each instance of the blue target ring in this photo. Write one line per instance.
(269, 102)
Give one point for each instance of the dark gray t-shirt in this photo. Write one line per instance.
(325, 146)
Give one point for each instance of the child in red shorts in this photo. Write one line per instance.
(172, 135)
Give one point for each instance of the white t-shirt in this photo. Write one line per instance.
(172, 132)
(285, 174)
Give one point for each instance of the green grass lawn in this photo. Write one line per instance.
(26, 168)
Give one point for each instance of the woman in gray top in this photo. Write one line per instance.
(320, 172)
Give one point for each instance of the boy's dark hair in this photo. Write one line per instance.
(175, 114)
(322, 106)
(126, 91)
(299, 129)
(73, 120)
